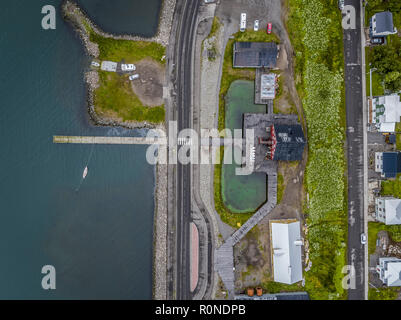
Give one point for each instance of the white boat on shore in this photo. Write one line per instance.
(85, 173)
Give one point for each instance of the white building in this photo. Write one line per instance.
(385, 112)
(286, 251)
(389, 270)
(109, 66)
(388, 210)
(268, 86)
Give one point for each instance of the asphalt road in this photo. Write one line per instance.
(355, 128)
(186, 34)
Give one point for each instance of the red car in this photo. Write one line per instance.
(269, 28)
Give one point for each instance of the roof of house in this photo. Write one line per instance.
(290, 142)
(393, 211)
(391, 164)
(255, 54)
(384, 22)
(387, 109)
(393, 274)
(287, 260)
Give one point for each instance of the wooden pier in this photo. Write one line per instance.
(108, 140)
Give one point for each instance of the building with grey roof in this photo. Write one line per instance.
(388, 210)
(389, 270)
(109, 66)
(381, 24)
(286, 246)
(255, 55)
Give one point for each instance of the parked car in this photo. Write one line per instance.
(256, 25)
(243, 22)
(95, 64)
(133, 77)
(377, 40)
(341, 4)
(128, 67)
(269, 28)
(363, 238)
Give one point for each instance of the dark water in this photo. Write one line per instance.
(99, 239)
(132, 16)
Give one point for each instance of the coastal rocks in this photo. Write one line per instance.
(76, 17)
(72, 11)
(92, 79)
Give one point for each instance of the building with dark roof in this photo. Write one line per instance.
(381, 24)
(388, 164)
(275, 137)
(255, 55)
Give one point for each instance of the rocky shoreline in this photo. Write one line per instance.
(81, 23)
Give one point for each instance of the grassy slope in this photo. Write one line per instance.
(115, 96)
(316, 35)
(229, 75)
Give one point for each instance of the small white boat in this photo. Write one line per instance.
(85, 173)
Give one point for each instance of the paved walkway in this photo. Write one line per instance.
(224, 256)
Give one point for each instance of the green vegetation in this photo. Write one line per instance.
(392, 187)
(229, 75)
(215, 27)
(276, 287)
(386, 58)
(130, 51)
(383, 293)
(115, 97)
(280, 188)
(374, 228)
(377, 86)
(316, 35)
(398, 135)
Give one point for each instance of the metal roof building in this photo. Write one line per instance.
(381, 24)
(109, 66)
(290, 142)
(255, 55)
(388, 210)
(385, 112)
(389, 270)
(388, 163)
(286, 243)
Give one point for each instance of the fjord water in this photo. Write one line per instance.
(99, 239)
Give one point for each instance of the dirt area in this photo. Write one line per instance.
(253, 254)
(149, 86)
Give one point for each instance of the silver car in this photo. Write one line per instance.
(133, 77)
(363, 238)
(256, 25)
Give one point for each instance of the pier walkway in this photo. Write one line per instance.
(224, 256)
(143, 140)
(108, 140)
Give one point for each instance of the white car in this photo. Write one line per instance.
(95, 64)
(256, 25)
(128, 67)
(363, 238)
(133, 77)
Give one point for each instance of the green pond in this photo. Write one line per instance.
(242, 193)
